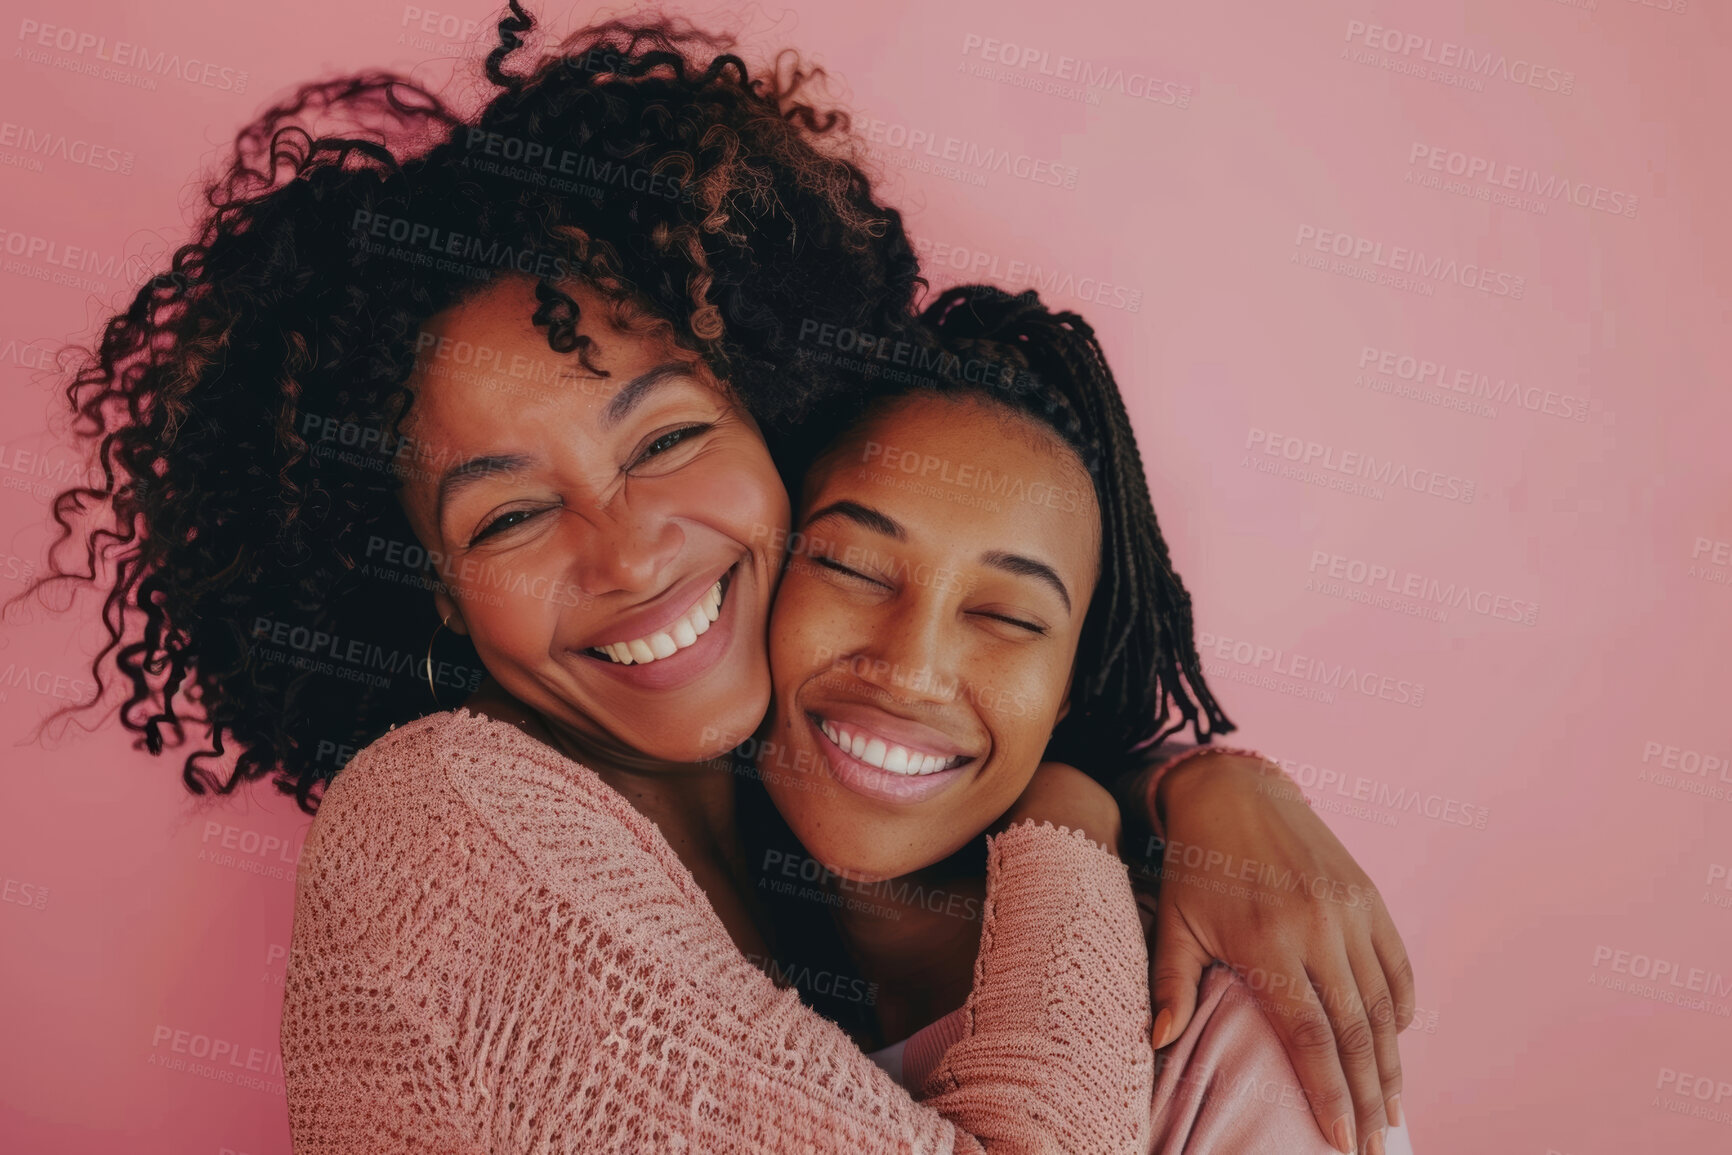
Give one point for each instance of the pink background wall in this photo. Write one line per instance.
(1565, 728)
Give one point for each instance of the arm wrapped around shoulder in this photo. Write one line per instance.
(1058, 1021)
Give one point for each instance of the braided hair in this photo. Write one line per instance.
(1138, 679)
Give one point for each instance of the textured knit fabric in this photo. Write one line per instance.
(494, 952)
(1225, 1085)
(912, 1060)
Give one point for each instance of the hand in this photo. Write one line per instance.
(1251, 876)
(1065, 796)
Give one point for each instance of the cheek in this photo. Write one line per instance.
(744, 496)
(792, 643)
(1019, 702)
(812, 626)
(516, 605)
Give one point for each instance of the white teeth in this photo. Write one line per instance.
(882, 754)
(685, 631)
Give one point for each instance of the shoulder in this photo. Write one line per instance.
(398, 781)
(455, 758)
(388, 823)
(458, 794)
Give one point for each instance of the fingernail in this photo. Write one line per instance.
(1343, 1134)
(1163, 1027)
(1393, 1110)
(1374, 1145)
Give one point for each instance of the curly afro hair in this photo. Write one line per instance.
(246, 406)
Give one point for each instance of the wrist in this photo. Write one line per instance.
(1180, 780)
(1207, 765)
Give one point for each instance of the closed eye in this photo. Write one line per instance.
(838, 567)
(503, 522)
(1032, 627)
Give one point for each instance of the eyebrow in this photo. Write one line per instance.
(1016, 563)
(471, 472)
(861, 515)
(1001, 560)
(630, 394)
(467, 473)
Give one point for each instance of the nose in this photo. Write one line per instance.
(623, 549)
(913, 653)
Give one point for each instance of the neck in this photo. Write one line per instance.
(916, 937)
(691, 803)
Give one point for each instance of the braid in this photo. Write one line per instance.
(1138, 679)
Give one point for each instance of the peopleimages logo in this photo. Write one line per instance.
(43, 143)
(1049, 282)
(1399, 259)
(431, 243)
(1306, 668)
(1495, 176)
(1089, 76)
(122, 54)
(47, 259)
(937, 152)
(1349, 463)
(1376, 576)
(1415, 47)
(1471, 384)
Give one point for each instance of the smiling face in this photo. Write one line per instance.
(611, 542)
(923, 639)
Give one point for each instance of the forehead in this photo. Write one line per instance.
(483, 367)
(970, 469)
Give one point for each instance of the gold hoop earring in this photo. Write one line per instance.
(436, 629)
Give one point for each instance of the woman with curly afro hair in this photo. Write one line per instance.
(485, 411)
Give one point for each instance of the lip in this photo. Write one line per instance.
(687, 665)
(883, 785)
(661, 612)
(917, 736)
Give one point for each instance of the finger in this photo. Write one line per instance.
(1355, 1044)
(1380, 1013)
(1176, 966)
(1299, 1020)
(1397, 968)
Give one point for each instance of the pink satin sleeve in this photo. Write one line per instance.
(1226, 1087)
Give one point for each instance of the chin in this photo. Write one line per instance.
(724, 729)
(862, 857)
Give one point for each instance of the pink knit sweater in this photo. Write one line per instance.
(494, 952)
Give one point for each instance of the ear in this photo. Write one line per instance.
(449, 612)
(1069, 685)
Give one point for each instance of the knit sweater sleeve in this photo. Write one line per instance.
(1057, 1024)
(493, 952)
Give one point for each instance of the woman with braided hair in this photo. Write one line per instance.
(540, 362)
(947, 641)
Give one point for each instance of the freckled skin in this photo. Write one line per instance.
(600, 522)
(922, 629)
